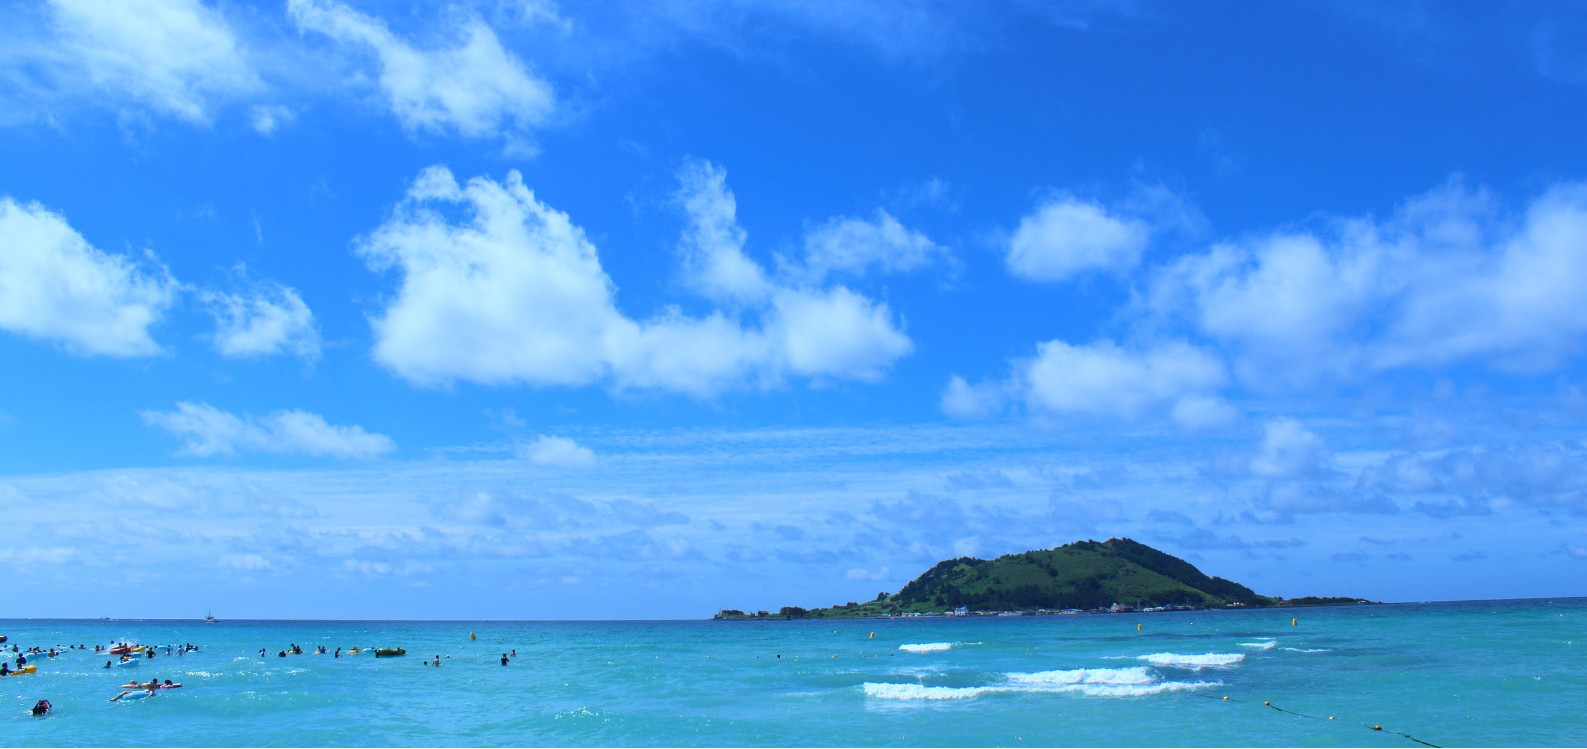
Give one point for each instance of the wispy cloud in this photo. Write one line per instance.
(209, 431)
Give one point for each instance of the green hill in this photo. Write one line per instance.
(1083, 575)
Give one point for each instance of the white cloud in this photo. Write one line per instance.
(175, 57)
(837, 333)
(1196, 412)
(961, 400)
(1289, 451)
(272, 320)
(515, 293)
(245, 562)
(266, 118)
(1447, 279)
(1516, 301)
(699, 357)
(1066, 237)
(33, 557)
(55, 286)
(475, 87)
(558, 452)
(712, 250)
(1103, 379)
(860, 573)
(210, 431)
(852, 245)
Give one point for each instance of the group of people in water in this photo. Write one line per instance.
(296, 649)
(130, 654)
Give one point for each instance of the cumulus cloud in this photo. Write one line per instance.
(54, 286)
(712, 250)
(208, 431)
(1289, 450)
(1066, 237)
(852, 246)
(961, 400)
(514, 292)
(558, 452)
(474, 86)
(172, 57)
(1104, 379)
(271, 320)
(1449, 278)
(1469, 481)
(837, 333)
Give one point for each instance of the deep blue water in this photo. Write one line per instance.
(1489, 673)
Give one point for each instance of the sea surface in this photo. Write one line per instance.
(1483, 673)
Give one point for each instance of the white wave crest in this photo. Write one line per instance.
(1307, 650)
(925, 647)
(922, 692)
(1260, 644)
(1120, 683)
(1140, 690)
(1193, 662)
(1116, 676)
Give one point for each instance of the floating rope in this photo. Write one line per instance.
(1270, 705)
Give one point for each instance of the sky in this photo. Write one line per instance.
(514, 309)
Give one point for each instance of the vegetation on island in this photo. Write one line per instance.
(1114, 575)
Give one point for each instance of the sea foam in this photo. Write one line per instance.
(1193, 662)
(886, 691)
(925, 647)
(1260, 644)
(1135, 681)
(1116, 676)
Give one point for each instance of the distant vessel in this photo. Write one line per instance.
(210, 619)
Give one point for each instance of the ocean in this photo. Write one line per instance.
(1479, 673)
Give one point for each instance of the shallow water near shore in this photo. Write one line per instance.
(1488, 673)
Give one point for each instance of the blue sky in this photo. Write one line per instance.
(514, 309)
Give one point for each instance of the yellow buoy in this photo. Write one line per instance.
(471, 636)
(1294, 622)
(1138, 628)
(873, 636)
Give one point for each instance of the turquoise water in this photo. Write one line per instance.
(1491, 673)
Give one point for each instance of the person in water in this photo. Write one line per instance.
(5, 668)
(42, 707)
(503, 659)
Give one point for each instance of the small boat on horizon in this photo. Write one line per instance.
(209, 618)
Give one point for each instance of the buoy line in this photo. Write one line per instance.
(1269, 704)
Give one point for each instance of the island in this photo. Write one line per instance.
(1115, 575)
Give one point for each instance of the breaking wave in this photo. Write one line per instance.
(1260, 644)
(1116, 676)
(922, 692)
(925, 647)
(1135, 681)
(1193, 662)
